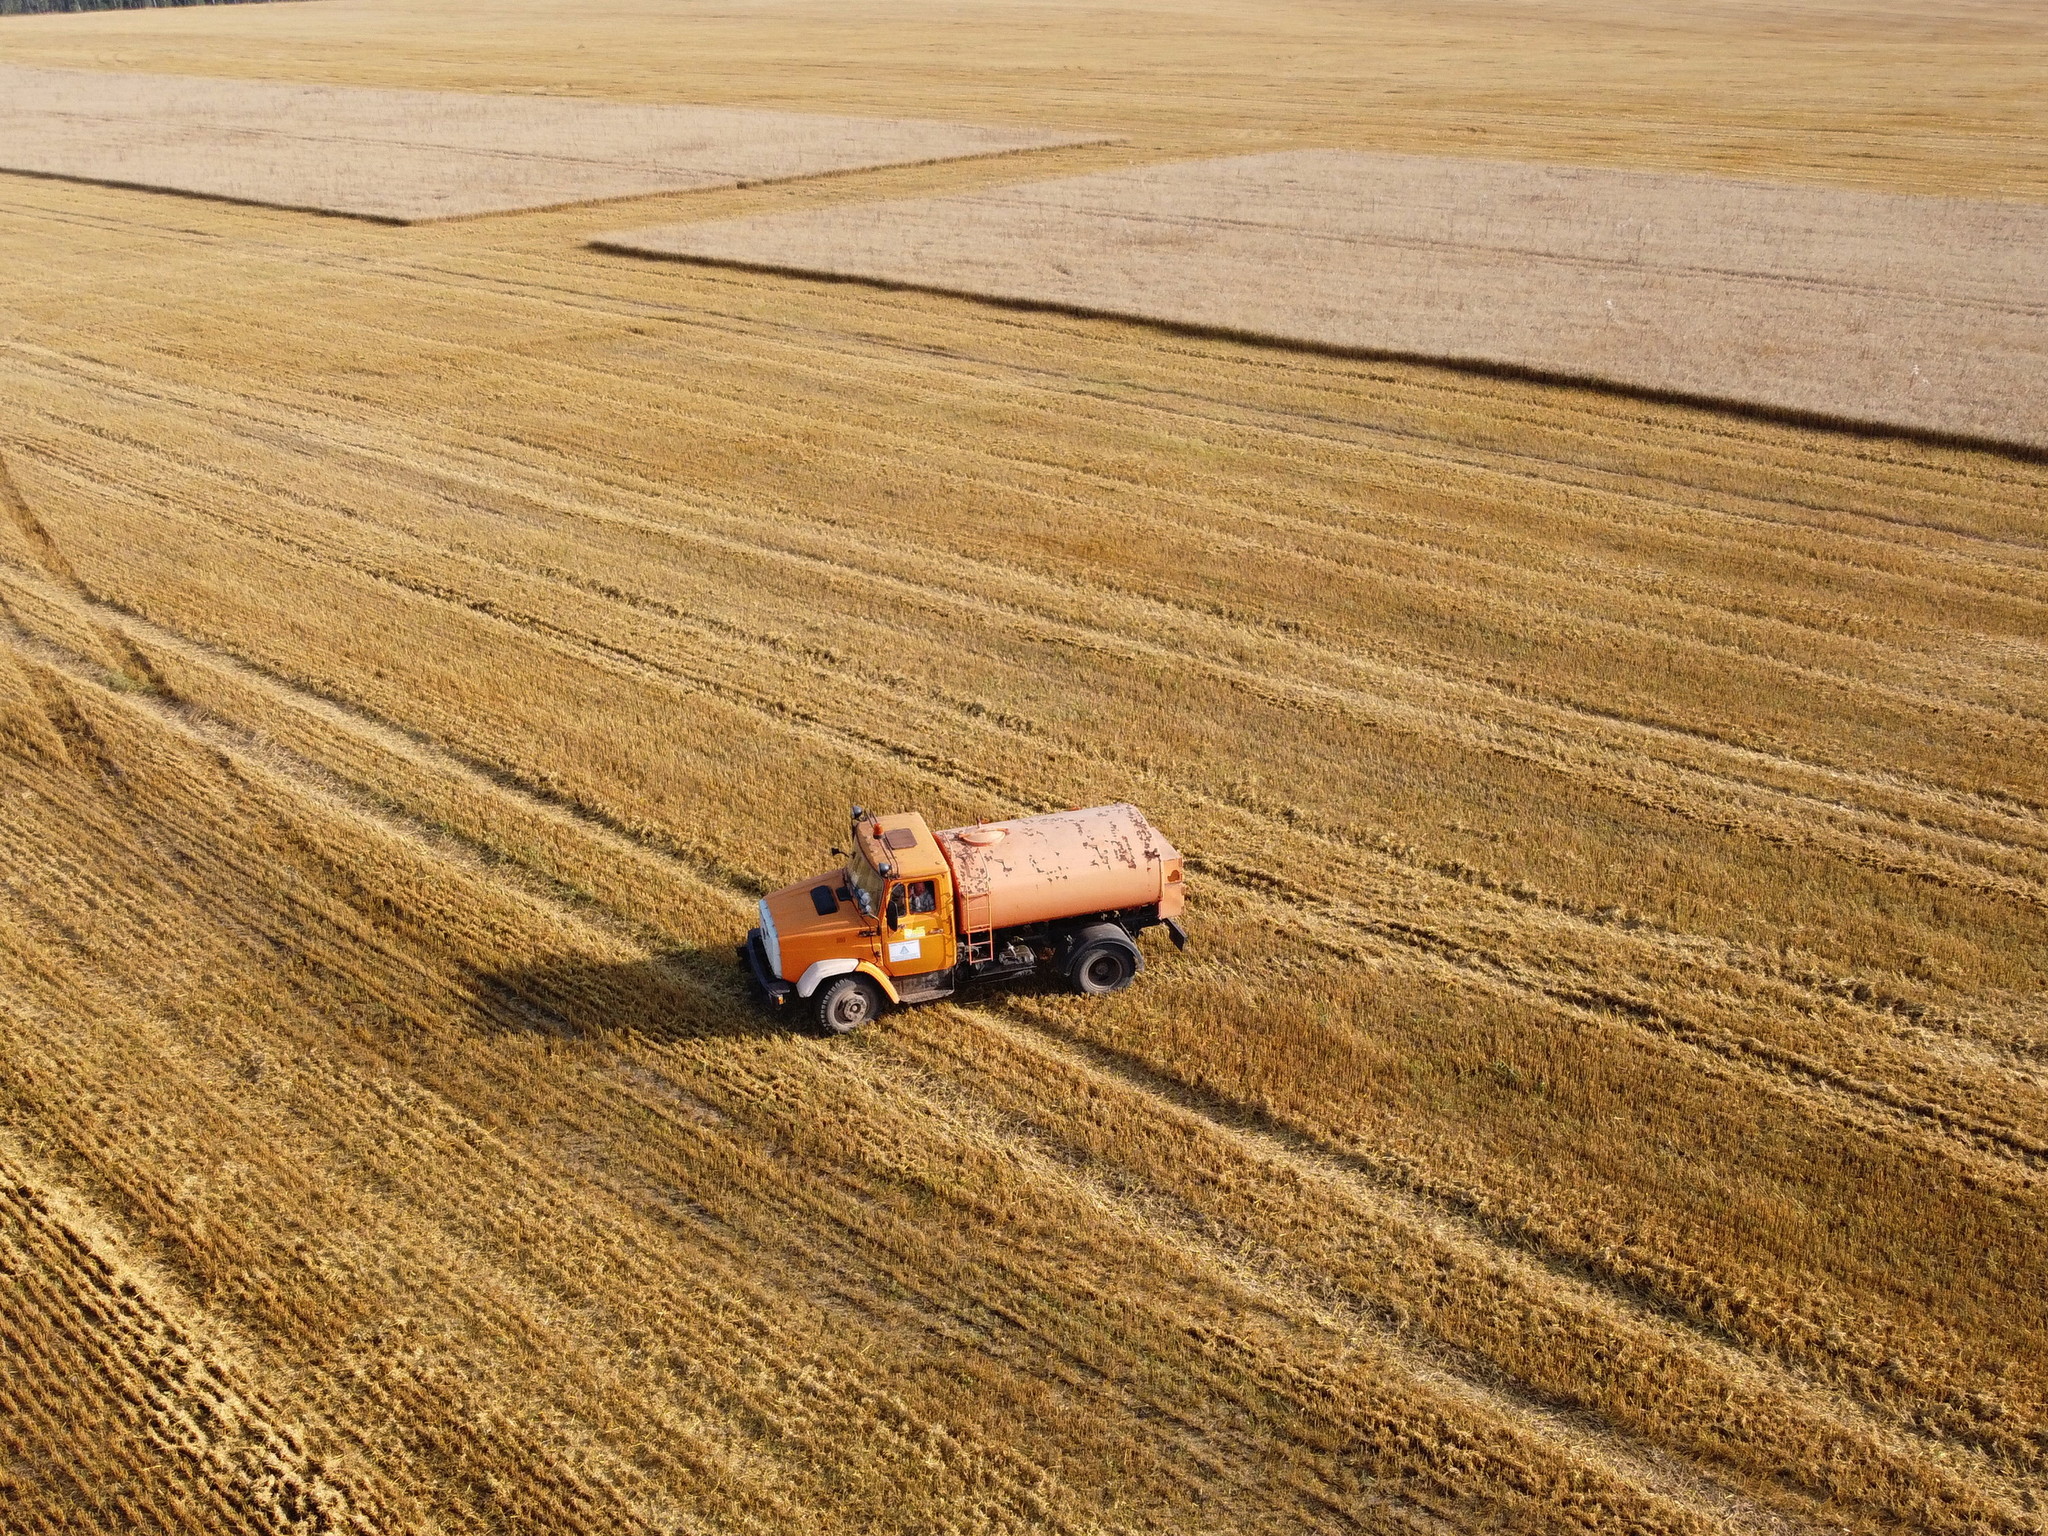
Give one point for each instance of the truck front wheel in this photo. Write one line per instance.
(1105, 960)
(847, 1002)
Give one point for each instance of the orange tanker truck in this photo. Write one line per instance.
(915, 914)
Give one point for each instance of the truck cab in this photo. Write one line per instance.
(913, 915)
(914, 896)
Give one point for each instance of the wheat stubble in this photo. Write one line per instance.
(1605, 1092)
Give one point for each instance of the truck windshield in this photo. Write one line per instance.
(867, 885)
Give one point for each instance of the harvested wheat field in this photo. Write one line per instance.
(1607, 1089)
(407, 156)
(1922, 313)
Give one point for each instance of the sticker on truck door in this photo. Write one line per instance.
(906, 949)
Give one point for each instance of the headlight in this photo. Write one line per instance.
(770, 943)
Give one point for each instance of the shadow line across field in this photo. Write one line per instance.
(1477, 367)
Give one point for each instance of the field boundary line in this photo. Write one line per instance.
(524, 286)
(1789, 416)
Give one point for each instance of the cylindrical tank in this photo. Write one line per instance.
(1040, 869)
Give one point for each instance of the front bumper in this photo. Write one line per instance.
(755, 958)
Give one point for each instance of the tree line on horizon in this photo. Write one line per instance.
(44, 7)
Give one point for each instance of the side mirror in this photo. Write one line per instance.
(896, 906)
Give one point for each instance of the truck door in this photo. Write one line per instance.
(917, 927)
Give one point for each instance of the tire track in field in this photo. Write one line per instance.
(1312, 1300)
(1592, 1001)
(1615, 1459)
(1580, 999)
(1696, 1491)
(752, 330)
(885, 746)
(1933, 691)
(1369, 1181)
(75, 736)
(758, 330)
(730, 635)
(1641, 1271)
(1938, 697)
(396, 467)
(726, 635)
(1608, 1273)
(175, 1391)
(594, 379)
(241, 404)
(1875, 837)
(59, 570)
(1437, 1230)
(477, 1159)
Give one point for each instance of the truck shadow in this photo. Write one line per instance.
(680, 994)
(684, 994)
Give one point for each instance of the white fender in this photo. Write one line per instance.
(822, 971)
(816, 975)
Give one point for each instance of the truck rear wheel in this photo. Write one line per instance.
(847, 1002)
(1105, 960)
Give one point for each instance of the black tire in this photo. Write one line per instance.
(847, 1002)
(1105, 960)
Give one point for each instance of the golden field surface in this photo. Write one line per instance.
(1607, 1089)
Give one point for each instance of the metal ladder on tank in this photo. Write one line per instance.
(977, 932)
